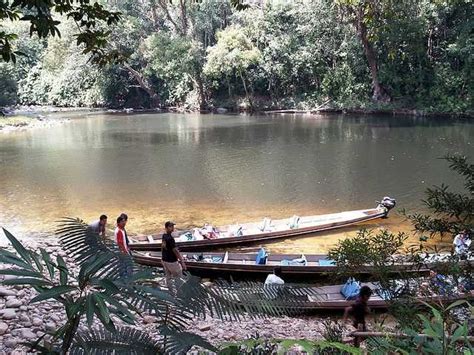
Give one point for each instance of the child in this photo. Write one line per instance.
(359, 310)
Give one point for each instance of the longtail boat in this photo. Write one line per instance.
(248, 233)
(293, 266)
(325, 298)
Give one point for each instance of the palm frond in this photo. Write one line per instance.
(174, 342)
(229, 301)
(86, 246)
(125, 340)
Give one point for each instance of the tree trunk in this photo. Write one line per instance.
(184, 16)
(246, 90)
(145, 85)
(202, 94)
(379, 93)
(164, 6)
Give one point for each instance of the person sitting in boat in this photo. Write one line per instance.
(209, 232)
(461, 243)
(359, 309)
(275, 278)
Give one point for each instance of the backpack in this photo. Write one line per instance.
(350, 290)
(261, 258)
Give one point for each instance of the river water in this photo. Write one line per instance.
(223, 169)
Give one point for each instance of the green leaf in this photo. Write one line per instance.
(47, 261)
(8, 259)
(20, 272)
(53, 292)
(63, 270)
(20, 249)
(90, 308)
(37, 261)
(27, 281)
(456, 304)
(102, 307)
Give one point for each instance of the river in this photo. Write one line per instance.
(222, 169)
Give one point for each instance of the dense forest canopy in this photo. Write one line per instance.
(415, 54)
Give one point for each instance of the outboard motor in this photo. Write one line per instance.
(388, 203)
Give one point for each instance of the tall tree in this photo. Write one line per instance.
(363, 14)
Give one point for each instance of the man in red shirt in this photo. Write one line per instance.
(121, 235)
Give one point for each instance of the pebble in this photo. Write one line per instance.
(37, 321)
(6, 292)
(13, 303)
(149, 319)
(205, 327)
(3, 328)
(50, 327)
(10, 343)
(8, 313)
(28, 334)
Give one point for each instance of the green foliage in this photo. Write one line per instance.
(442, 335)
(257, 345)
(282, 55)
(41, 16)
(176, 62)
(367, 248)
(451, 211)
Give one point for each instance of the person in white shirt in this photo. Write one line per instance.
(275, 278)
(461, 243)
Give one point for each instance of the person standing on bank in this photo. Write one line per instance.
(121, 235)
(173, 263)
(99, 225)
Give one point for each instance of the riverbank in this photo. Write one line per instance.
(22, 322)
(28, 120)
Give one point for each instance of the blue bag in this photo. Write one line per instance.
(261, 257)
(350, 290)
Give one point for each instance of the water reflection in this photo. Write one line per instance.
(195, 168)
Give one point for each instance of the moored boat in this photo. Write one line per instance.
(293, 266)
(324, 298)
(248, 233)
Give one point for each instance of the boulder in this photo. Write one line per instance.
(221, 110)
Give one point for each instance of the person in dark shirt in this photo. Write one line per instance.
(173, 263)
(359, 310)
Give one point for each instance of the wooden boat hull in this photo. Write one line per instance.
(242, 265)
(329, 298)
(153, 243)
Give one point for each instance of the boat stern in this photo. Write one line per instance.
(387, 203)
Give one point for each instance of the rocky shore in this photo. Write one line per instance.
(22, 322)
